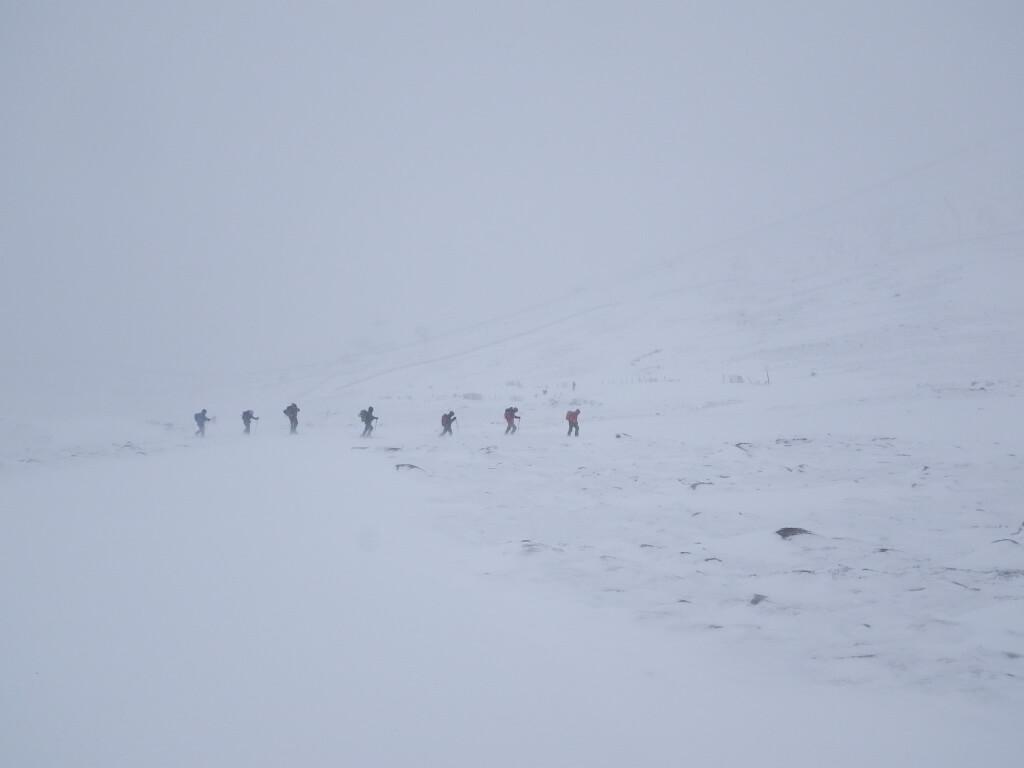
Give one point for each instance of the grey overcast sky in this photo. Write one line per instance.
(224, 186)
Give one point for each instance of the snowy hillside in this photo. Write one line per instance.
(858, 376)
(624, 598)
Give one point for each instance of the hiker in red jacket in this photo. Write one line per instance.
(511, 415)
(573, 417)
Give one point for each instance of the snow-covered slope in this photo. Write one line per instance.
(858, 375)
(289, 601)
(620, 598)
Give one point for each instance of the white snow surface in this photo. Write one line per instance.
(536, 600)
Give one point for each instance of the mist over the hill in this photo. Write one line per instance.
(206, 190)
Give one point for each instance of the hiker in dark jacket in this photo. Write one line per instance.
(292, 412)
(367, 418)
(201, 419)
(248, 417)
(447, 419)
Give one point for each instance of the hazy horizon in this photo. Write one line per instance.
(230, 187)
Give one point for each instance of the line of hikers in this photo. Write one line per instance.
(367, 417)
(248, 417)
(512, 416)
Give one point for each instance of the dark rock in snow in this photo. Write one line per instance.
(407, 466)
(788, 533)
(791, 441)
(758, 598)
(965, 586)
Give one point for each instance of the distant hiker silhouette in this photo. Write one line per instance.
(248, 417)
(447, 419)
(201, 419)
(573, 417)
(292, 412)
(367, 418)
(511, 416)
